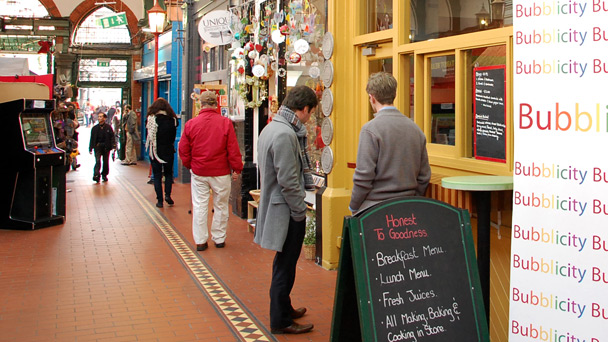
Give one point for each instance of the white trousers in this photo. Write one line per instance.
(201, 188)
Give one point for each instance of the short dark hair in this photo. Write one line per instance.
(383, 86)
(128, 107)
(299, 97)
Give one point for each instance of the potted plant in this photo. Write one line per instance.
(310, 237)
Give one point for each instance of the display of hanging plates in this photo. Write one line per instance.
(327, 131)
(327, 159)
(327, 74)
(328, 45)
(327, 102)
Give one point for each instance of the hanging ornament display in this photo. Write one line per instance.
(295, 57)
(314, 71)
(277, 37)
(256, 87)
(301, 46)
(258, 70)
(284, 30)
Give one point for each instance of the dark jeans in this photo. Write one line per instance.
(100, 154)
(158, 170)
(284, 275)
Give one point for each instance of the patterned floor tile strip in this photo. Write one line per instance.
(239, 320)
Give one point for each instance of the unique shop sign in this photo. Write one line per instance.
(408, 273)
(214, 27)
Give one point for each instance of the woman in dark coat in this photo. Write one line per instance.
(162, 128)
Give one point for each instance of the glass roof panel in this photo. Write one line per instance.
(23, 8)
(91, 31)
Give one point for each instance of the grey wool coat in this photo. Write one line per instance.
(282, 184)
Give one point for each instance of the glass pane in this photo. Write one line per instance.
(432, 19)
(91, 30)
(443, 86)
(93, 70)
(23, 8)
(380, 15)
(378, 65)
(410, 76)
(481, 57)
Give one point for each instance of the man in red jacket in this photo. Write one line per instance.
(208, 147)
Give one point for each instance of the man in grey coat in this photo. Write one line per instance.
(391, 160)
(281, 218)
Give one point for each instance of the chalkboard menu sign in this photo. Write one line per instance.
(490, 113)
(408, 273)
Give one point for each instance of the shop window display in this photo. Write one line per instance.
(259, 65)
(380, 15)
(431, 19)
(308, 24)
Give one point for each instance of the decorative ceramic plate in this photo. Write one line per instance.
(327, 159)
(327, 131)
(328, 45)
(327, 102)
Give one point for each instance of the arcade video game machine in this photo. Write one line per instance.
(35, 168)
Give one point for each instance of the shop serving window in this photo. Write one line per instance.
(432, 19)
(442, 100)
(380, 15)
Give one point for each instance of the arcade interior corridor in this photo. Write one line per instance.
(120, 269)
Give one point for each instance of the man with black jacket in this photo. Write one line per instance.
(102, 141)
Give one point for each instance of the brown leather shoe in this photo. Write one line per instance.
(295, 328)
(297, 313)
(202, 246)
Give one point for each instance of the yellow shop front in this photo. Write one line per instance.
(449, 57)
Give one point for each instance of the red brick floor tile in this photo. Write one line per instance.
(109, 274)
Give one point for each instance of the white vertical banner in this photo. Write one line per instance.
(559, 253)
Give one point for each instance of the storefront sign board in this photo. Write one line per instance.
(559, 248)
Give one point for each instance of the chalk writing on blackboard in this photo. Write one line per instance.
(489, 113)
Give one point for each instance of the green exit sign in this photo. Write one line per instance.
(103, 62)
(113, 21)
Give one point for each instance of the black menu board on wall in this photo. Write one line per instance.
(407, 272)
(490, 113)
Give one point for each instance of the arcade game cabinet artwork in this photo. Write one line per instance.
(35, 167)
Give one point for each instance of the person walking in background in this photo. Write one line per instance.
(392, 160)
(209, 148)
(111, 113)
(160, 144)
(130, 129)
(102, 141)
(281, 219)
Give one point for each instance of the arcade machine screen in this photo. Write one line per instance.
(37, 132)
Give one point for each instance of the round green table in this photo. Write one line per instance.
(482, 187)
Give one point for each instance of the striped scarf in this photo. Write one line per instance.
(302, 134)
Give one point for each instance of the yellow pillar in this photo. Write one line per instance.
(336, 197)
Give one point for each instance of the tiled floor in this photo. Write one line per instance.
(120, 269)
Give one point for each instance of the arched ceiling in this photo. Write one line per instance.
(64, 8)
